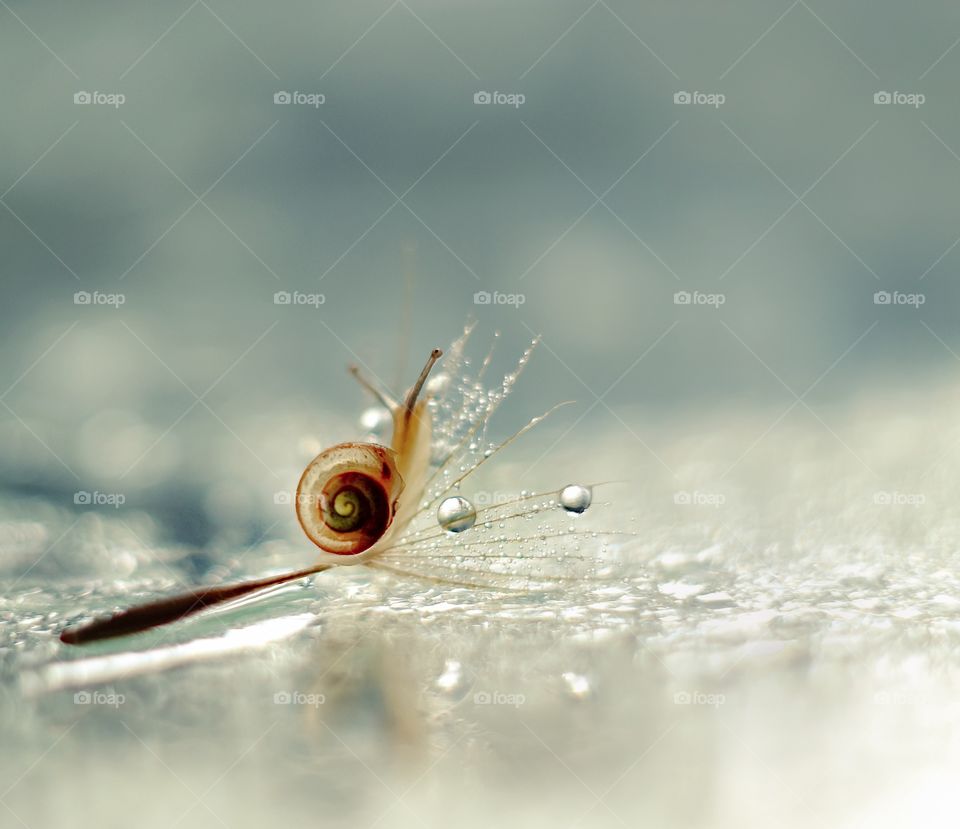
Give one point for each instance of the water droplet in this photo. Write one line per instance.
(575, 498)
(451, 677)
(376, 419)
(578, 686)
(456, 514)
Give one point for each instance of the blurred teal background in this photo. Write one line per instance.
(597, 199)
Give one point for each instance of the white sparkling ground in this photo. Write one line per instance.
(787, 657)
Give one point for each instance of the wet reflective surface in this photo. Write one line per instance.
(771, 657)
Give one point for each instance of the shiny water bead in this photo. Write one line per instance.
(452, 680)
(575, 498)
(456, 514)
(376, 420)
(578, 686)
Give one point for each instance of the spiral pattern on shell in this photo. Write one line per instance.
(347, 497)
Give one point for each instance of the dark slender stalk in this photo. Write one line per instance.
(163, 611)
(414, 392)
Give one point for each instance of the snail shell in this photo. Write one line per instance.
(347, 497)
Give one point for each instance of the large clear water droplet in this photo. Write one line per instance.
(575, 498)
(376, 420)
(456, 514)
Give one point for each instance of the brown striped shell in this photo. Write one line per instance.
(347, 497)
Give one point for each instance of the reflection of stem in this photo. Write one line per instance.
(163, 611)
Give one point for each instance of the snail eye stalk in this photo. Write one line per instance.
(417, 387)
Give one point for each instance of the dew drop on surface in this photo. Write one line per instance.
(456, 514)
(578, 686)
(575, 498)
(451, 680)
(375, 419)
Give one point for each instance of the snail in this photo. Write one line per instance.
(349, 497)
(378, 505)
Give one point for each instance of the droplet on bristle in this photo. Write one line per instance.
(456, 514)
(575, 498)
